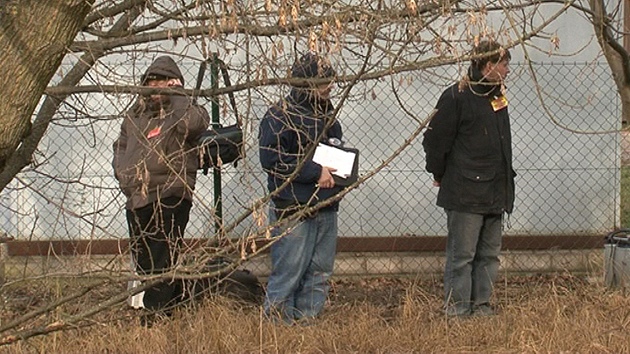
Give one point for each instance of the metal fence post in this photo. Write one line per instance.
(4, 238)
(216, 172)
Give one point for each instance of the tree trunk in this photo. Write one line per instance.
(34, 35)
(615, 55)
(615, 61)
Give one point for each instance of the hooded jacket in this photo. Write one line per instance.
(287, 131)
(155, 156)
(468, 147)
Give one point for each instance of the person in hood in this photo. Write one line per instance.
(302, 259)
(155, 162)
(468, 149)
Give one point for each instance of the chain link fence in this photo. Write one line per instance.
(567, 154)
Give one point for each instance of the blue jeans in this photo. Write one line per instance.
(302, 261)
(472, 261)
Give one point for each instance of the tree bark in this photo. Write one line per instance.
(615, 54)
(34, 37)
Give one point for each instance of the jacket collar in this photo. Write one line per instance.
(479, 85)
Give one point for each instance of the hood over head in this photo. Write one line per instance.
(311, 66)
(163, 67)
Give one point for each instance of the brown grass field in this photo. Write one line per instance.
(537, 314)
(543, 313)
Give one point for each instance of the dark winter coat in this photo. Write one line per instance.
(287, 131)
(468, 148)
(155, 155)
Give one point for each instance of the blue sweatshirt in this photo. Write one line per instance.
(287, 132)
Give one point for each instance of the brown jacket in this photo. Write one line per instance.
(155, 156)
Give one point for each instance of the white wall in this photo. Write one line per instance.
(568, 183)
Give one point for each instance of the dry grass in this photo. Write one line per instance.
(538, 314)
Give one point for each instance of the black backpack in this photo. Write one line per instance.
(240, 284)
(220, 145)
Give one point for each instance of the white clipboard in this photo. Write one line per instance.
(344, 160)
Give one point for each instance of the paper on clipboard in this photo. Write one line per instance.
(339, 159)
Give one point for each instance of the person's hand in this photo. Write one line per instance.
(325, 178)
(436, 184)
(174, 83)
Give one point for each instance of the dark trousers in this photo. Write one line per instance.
(156, 232)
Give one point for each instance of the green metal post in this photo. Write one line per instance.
(218, 203)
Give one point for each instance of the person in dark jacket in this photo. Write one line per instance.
(303, 259)
(155, 162)
(468, 150)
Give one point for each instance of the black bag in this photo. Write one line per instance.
(239, 284)
(219, 146)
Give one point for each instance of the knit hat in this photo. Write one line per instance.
(312, 65)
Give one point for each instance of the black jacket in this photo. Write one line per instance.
(468, 148)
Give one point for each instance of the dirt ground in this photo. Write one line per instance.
(388, 294)
(384, 293)
(537, 313)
